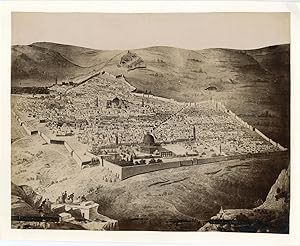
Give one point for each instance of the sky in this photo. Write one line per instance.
(129, 31)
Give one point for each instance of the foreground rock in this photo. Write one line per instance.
(271, 216)
(29, 211)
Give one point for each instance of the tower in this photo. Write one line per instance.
(97, 102)
(143, 103)
(117, 139)
(194, 132)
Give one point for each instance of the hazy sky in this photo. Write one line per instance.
(128, 31)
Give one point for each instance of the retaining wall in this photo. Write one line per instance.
(127, 172)
(77, 158)
(48, 140)
(56, 141)
(139, 169)
(117, 170)
(45, 137)
(29, 132)
(68, 147)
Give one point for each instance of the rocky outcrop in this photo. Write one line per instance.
(24, 202)
(271, 216)
(32, 198)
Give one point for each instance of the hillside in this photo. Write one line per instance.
(37, 66)
(255, 84)
(185, 198)
(271, 216)
(81, 56)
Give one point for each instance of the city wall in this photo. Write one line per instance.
(45, 137)
(82, 79)
(68, 147)
(158, 98)
(27, 130)
(77, 158)
(130, 171)
(222, 107)
(115, 169)
(139, 169)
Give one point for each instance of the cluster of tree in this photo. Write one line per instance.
(143, 162)
(123, 162)
(30, 90)
(130, 162)
(95, 161)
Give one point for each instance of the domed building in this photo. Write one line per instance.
(148, 139)
(148, 145)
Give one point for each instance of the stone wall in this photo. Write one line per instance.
(139, 169)
(115, 169)
(221, 106)
(48, 140)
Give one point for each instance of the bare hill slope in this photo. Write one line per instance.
(184, 198)
(37, 66)
(270, 216)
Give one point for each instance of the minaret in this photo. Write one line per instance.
(117, 139)
(194, 133)
(97, 102)
(143, 101)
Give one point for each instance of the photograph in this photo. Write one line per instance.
(173, 122)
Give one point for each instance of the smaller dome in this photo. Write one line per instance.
(148, 139)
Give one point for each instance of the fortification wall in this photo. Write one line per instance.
(117, 170)
(221, 106)
(68, 147)
(29, 132)
(186, 163)
(77, 158)
(139, 169)
(48, 140)
(56, 141)
(130, 171)
(45, 137)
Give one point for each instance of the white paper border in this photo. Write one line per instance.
(211, 238)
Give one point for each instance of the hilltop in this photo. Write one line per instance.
(255, 84)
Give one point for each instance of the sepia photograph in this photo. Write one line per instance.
(150, 121)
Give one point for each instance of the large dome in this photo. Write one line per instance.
(148, 139)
